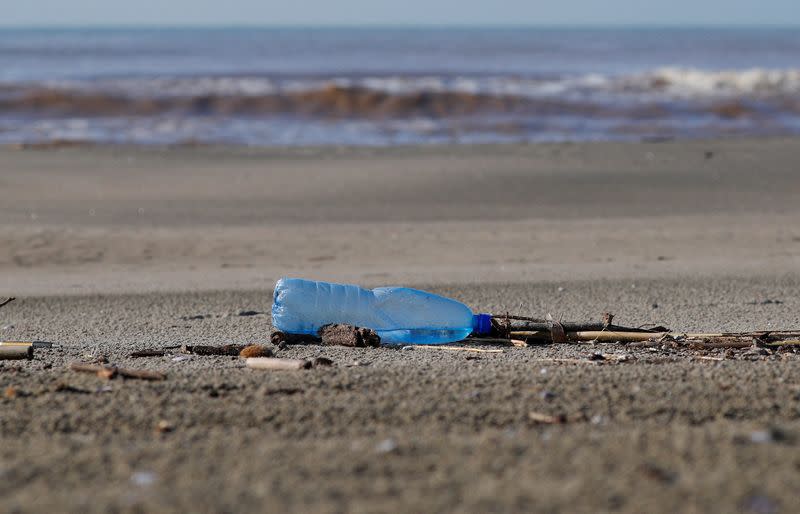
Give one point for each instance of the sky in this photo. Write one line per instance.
(398, 12)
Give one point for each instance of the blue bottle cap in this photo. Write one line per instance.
(481, 324)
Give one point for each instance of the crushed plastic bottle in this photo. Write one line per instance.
(397, 314)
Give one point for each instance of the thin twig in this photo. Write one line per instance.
(7, 301)
(457, 349)
(488, 340)
(568, 361)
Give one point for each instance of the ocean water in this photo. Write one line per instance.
(390, 86)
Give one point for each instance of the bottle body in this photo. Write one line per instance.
(397, 314)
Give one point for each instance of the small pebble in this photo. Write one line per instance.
(386, 446)
(547, 395)
(143, 478)
(760, 437)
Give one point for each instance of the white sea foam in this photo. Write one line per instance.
(669, 82)
(695, 82)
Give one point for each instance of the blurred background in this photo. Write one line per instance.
(375, 73)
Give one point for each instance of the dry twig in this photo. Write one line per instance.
(457, 349)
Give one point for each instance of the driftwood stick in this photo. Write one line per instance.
(571, 326)
(502, 317)
(456, 348)
(715, 345)
(148, 353)
(788, 342)
(228, 349)
(487, 340)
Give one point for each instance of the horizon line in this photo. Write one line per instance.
(406, 26)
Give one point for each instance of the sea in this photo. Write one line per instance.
(395, 86)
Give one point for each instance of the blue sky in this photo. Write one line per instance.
(404, 12)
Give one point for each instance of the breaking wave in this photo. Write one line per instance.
(731, 93)
(406, 108)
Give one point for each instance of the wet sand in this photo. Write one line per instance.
(112, 250)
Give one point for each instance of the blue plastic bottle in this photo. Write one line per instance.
(397, 314)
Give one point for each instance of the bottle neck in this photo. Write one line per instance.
(481, 324)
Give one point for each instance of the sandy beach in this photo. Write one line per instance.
(116, 249)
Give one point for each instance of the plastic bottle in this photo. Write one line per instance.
(397, 314)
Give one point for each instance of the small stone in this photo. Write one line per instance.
(769, 435)
(760, 504)
(597, 420)
(386, 446)
(761, 437)
(143, 478)
(164, 426)
(547, 395)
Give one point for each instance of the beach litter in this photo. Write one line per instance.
(306, 311)
(16, 352)
(397, 315)
(278, 364)
(275, 364)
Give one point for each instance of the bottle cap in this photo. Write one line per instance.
(481, 324)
